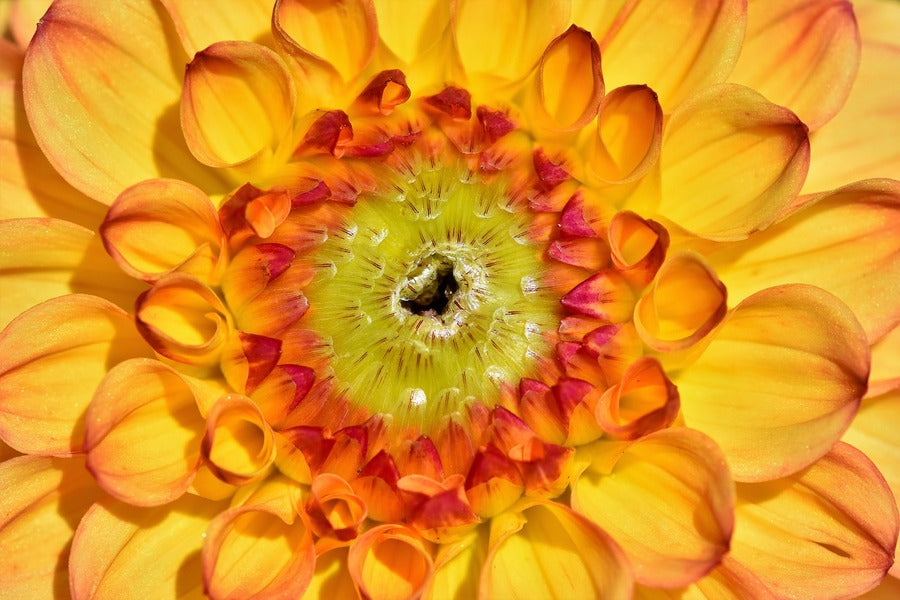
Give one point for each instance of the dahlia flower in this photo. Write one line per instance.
(449, 299)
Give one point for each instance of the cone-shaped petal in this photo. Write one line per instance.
(199, 27)
(254, 121)
(42, 501)
(806, 247)
(390, 562)
(829, 530)
(102, 97)
(159, 225)
(119, 550)
(239, 445)
(672, 485)
(745, 393)
(143, 433)
(51, 359)
(693, 45)
(644, 401)
(802, 54)
(333, 508)
(637, 246)
(568, 556)
(731, 161)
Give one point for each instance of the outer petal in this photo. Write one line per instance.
(820, 245)
(456, 567)
(568, 556)
(828, 531)
(668, 500)
(412, 29)
(390, 562)
(802, 54)
(143, 433)
(331, 578)
(675, 48)
(42, 501)
(108, 70)
(237, 105)
(24, 17)
(200, 25)
(45, 258)
(731, 161)
(745, 393)
(51, 359)
(121, 552)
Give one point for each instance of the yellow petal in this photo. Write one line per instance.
(24, 16)
(143, 433)
(42, 501)
(502, 41)
(237, 105)
(675, 48)
(411, 29)
(389, 562)
(731, 161)
(331, 578)
(668, 501)
(820, 245)
(102, 97)
(255, 551)
(200, 25)
(161, 225)
(456, 567)
(861, 141)
(29, 186)
(551, 551)
(829, 530)
(598, 17)
(744, 391)
(121, 552)
(46, 258)
(885, 374)
(802, 54)
(51, 359)
(239, 445)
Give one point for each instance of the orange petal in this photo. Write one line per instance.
(731, 161)
(684, 304)
(802, 54)
(745, 393)
(629, 134)
(885, 374)
(550, 551)
(829, 530)
(239, 445)
(644, 401)
(568, 81)
(334, 509)
(115, 122)
(254, 125)
(46, 258)
(42, 501)
(389, 562)
(693, 46)
(637, 246)
(51, 359)
(668, 500)
(846, 241)
(199, 27)
(161, 225)
(120, 550)
(256, 551)
(143, 433)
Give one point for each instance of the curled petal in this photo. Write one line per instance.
(568, 556)
(731, 162)
(829, 530)
(334, 509)
(801, 54)
(673, 485)
(199, 27)
(637, 246)
(644, 401)
(51, 359)
(390, 562)
(744, 391)
(239, 445)
(42, 501)
(161, 225)
(143, 433)
(385, 92)
(127, 100)
(109, 557)
(257, 551)
(629, 134)
(237, 104)
(684, 304)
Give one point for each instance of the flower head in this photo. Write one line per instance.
(449, 299)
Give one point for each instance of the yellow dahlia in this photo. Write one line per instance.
(449, 299)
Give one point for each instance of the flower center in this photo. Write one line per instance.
(428, 295)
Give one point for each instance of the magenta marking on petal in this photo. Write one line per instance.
(262, 355)
(278, 258)
(572, 220)
(318, 193)
(452, 101)
(550, 173)
(303, 378)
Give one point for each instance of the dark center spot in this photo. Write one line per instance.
(429, 288)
